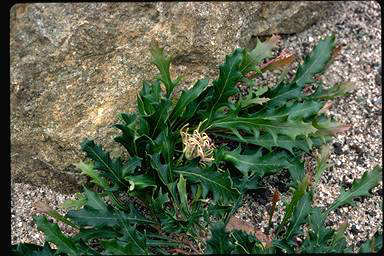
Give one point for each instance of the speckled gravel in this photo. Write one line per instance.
(357, 25)
(23, 199)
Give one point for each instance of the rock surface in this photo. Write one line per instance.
(75, 66)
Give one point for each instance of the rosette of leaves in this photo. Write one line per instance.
(180, 193)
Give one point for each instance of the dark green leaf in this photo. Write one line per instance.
(252, 98)
(316, 62)
(27, 249)
(160, 240)
(281, 94)
(319, 236)
(300, 214)
(293, 111)
(140, 182)
(130, 166)
(296, 197)
(219, 242)
(282, 141)
(136, 240)
(112, 169)
(259, 164)
(128, 130)
(283, 245)
(187, 97)
(97, 214)
(149, 97)
(116, 247)
(158, 202)
(154, 108)
(162, 160)
(93, 200)
(182, 192)
(225, 86)
(245, 243)
(54, 235)
(92, 233)
(253, 125)
(218, 183)
(158, 120)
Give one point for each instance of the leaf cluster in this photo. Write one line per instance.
(184, 179)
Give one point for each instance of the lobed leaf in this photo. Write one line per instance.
(321, 163)
(261, 51)
(316, 62)
(338, 90)
(88, 170)
(113, 169)
(280, 62)
(140, 182)
(162, 63)
(74, 203)
(252, 98)
(27, 249)
(252, 125)
(282, 141)
(319, 235)
(219, 242)
(219, 184)
(86, 234)
(361, 187)
(245, 243)
(127, 139)
(257, 164)
(136, 241)
(54, 235)
(97, 214)
(224, 86)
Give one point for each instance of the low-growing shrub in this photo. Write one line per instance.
(192, 158)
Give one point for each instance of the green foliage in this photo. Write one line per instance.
(219, 242)
(32, 249)
(54, 235)
(187, 183)
(321, 239)
(212, 180)
(359, 188)
(316, 62)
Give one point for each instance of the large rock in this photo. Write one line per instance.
(74, 66)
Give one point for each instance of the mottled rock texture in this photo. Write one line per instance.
(74, 66)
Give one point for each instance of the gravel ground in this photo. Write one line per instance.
(357, 25)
